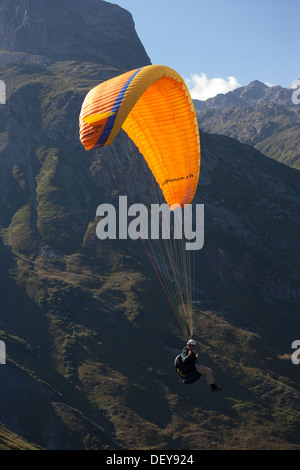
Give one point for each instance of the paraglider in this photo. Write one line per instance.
(153, 106)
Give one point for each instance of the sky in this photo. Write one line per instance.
(219, 45)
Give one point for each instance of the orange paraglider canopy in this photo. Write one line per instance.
(153, 106)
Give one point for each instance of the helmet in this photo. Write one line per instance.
(191, 342)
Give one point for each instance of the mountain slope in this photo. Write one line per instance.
(263, 117)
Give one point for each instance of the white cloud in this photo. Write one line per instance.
(202, 88)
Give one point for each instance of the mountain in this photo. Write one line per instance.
(90, 337)
(254, 94)
(261, 116)
(72, 29)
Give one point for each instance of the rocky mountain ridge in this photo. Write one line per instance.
(264, 117)
(254, 94)
(90, 31)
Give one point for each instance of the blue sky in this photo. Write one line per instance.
(218, 45)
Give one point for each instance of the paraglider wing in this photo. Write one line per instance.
(153, 106)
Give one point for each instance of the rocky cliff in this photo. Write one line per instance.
(89, 31)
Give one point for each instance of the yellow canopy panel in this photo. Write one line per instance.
(153, 106)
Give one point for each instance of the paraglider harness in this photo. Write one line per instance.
(189, 376)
